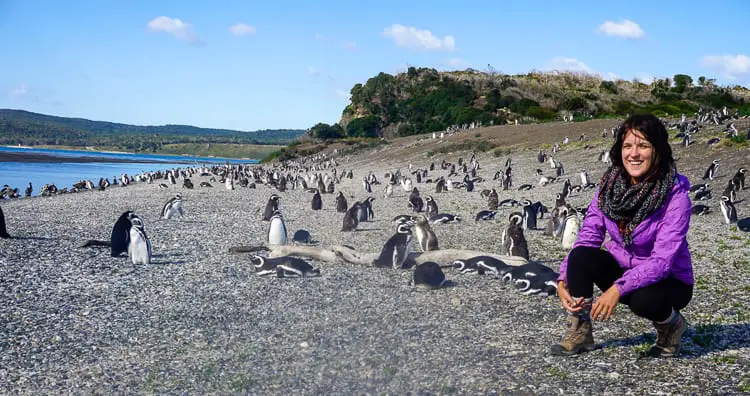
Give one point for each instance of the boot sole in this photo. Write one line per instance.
(558, 350)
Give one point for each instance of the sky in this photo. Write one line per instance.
(251, 65)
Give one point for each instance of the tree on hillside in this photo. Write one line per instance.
(682, 82)
(367, 126)
(324, 131)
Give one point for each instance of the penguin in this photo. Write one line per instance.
(120, 236)
(185, 184)
(485, 215)
(513, 240)
(509, 202)
(544, 284)
(172, 207)
(728, 210)
(443, 218)
(341, 204)
(585, 177)
(388, 191)
(529, 215)
(229, 183)
(570, 230)
(205, 184)
(738, 180)
(415, 201)
(403, 218)
(366, 213)
(530, 269)
(431, 208)
(702, 195)
(331, 187)
(440, 185)
(139, 246)
(428, 275)
(711, 171)
(396, 249)
(559, 200)
(302, 236)
(271, 206)
(425, 235)
(29, 190)
(700, 210)
(566, 188)
(317, 202)
(492, 200)
(698, 187)
(366, 185)
(730, 192)
(3, 230)
(465, 266)
(525, 187)
(263, 266)
(351, 219)
(481, 265)
(277, 234)
(744, 224)
(293, 267)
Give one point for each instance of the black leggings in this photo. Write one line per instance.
(588, 266)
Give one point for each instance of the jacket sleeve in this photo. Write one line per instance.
(671, 234)
(591, 234)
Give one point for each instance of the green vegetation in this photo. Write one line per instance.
(32, 129)
(424, 100)
(466, 145)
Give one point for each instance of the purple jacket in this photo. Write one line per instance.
(659, 247)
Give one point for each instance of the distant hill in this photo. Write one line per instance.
(32, 129)
(424, 100)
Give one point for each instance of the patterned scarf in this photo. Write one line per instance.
(629, 204)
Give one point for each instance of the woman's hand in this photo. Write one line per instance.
(605, 305)
(569, 303)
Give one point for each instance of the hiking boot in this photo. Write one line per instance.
(578, 339)
(668, 337)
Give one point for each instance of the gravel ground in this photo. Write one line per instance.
(198, 320)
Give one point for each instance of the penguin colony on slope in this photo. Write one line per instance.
(562, 222)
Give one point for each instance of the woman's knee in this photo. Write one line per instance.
(649, 302)
(581, 257)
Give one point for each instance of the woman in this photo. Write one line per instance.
(643, 204)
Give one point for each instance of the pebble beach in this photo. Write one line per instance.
(199, 320)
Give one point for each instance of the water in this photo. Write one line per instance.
(65, 173)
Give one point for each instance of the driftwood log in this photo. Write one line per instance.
(339, 253)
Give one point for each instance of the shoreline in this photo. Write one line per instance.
(45, 158)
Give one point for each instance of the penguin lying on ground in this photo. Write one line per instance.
(427, 275)
(542, 284)
(443, 218)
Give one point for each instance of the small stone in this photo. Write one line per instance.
(613, 376)
(304, 344)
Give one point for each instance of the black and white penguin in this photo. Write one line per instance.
(428, 275)
(532, 268)
(744, 224)
(485, 215)
(205, 184)
(730, 192)
(431, 208)
(700, 210)
(396, 250)
(3, 230)
(317, 202)
(440, 186)
(443, 218)
(738, 180)
(525, 187)
(366, 185)
(425, 235)
(366, 213)
(277, 234)
(302, 236)
(482, 265)
(341, 204)
(465, 266)
(139, 246)
(172, 207)
(509, 203)
(559, 200)
(294, 267)
(29, 190)
(492, 200)
(331, 187)
(187, 184)
(711, 171)
(351, 218)
(542, 284)
(698, 187)
(728, 210)
(513, 240)
(403, 218)
(585, 179)
(529, 215)
(263, 265)
(271, 206)
(120, 236)
(703, 195)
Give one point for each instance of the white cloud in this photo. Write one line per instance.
(19, 90)
(625, 28)
(569, 64)
(181, 30)
(414, 38)
(242, 29)
(731, 66)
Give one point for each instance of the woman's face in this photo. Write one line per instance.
(637, 155)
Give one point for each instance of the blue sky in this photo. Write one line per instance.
(252, 65)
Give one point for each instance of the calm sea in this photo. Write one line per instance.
(66, 171)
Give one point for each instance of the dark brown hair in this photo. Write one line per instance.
(655, 133)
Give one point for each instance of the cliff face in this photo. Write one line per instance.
(425, 100)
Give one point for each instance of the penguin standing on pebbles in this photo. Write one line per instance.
(529, 215)
(728, 210)
(139, 246)
(492, 200)
(317, 202)
(425, 235)
(711, 171)
(428, 275)
(341, 204)
(271, 206)
(351, 218)
(277, 234)
(431, 208)
(513, 240)
(396, 250)
(172, 208)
